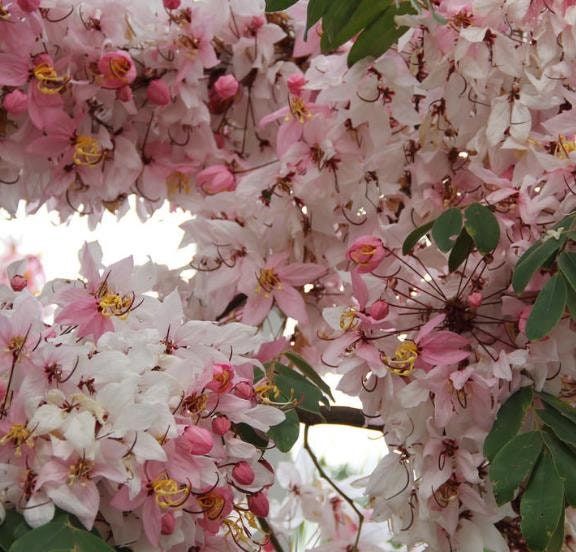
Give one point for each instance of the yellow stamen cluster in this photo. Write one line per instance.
(402, 364)
(18, 435)
(16, 343)
(178, 183)
(48, 80)
(87, 151)
(363, 254)
(266, 391)
(119, 67)
(190, 44)
(113, 304)
(212, 504)
(349, 319)
(168, 493)
(194, 404)
(267, 281)
(298, 109)
(564, 147)
(80, 471)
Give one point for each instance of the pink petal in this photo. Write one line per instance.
(256, 309)
(291, 303)
(429, 326)
(14, 70)
(288, 134)
(298, 274)
(359, 289)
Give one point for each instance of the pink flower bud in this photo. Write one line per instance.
(117, 69)
(18, 283)
(258, 504)
(226, 87)
(158, 92)
(295, 83)
(221, 425)
(256, 23)
(367, 252)
(475, 299)
(168, 523)
(379, 310)
(197, 440)
(216, 179)
(124, 94)
(222, 376)
(15, 102)
(171, 4)
(28, 5)
(243, 473)
(244, 390)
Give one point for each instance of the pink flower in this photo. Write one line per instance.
(216, 179)
(258, 504)
(243, 473)
(167, 524)
(171, 4)
(222, 378)
(28, 5)
(367, 252)
(296, 83)
(226, 87)
(221, 425)
(117, 69)
(15, 102)
(197, 440)
(158, 92)
(275, 283)
(18, 283)
(475, 299)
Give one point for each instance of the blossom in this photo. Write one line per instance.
(117, 69)
(366, 252)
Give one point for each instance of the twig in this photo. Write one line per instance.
(325, 476)
(337, 415)
(271, 535)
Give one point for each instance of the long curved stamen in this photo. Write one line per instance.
(169, 493)
(48, 80)
(87, 151)
(405, 356)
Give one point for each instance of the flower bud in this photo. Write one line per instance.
(124, 94)
(172, 4)
(222, 377)
(158, 93)
(215, 179)
(15, 102)
(168, 523)
(296, 82)
(117, 69)
(197, 440)
(226, 87)
(258, 504)
(475, 299)
(367, 252)
(379, 310)
(244, 390)
(221, 425)
(28, 5)
(18, 282)
(243, 473)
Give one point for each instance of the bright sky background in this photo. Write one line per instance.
(57, 245)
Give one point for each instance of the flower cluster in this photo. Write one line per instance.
(126, 417)
(302, 177)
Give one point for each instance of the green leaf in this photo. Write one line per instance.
(286, 433)
(310, 373)
(533, 259)
(250, 435)
(12, 528)
(483, 227)
(556, 542)
(379, 35)
(548, 308)
(333, 20)
(279, 5)
(562, 427)
(513, 464)
(415, 236)
(316, 9)
(445, 227)
(508, 421)
(363, 13)
(295, 387)
(59, 535)
(542, 504)
(571, 302)
(565, 462)
(567, 265)
(562, 407)
(462, 248)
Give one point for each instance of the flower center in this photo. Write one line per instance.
(80, 471)
(564, 147)
(16, 343)
(113, 304)
(119, 67)
(212, 505)
(363, 254)
(348, 319)
(194, 404)
(267, 391)
(402, 364)
(267, 281)
(49, 82)
(18, 435)
(87, 151)
(178, 183)
(169, 493)
(299, 110)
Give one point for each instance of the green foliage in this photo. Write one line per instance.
(415, 236)
(62, 534)
(310, 373)
(482, 226)
(446, 229)
(539, 465)
(462, 248)
(286, 433)
(279, 5)
(548, 308)
(508, 421)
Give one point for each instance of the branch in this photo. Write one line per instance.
(325, 476)
(338, 415)
(270, 532)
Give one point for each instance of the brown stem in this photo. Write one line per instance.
(271, 535)
(337, 415)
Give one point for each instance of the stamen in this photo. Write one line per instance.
(80, 471)
(178, 183)
(402, 364)
(169, 493)
(267, 281)
(349, 319)
(299, 110)
(87, 151)
(212, 505)
(19, 435)
(49, 82)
